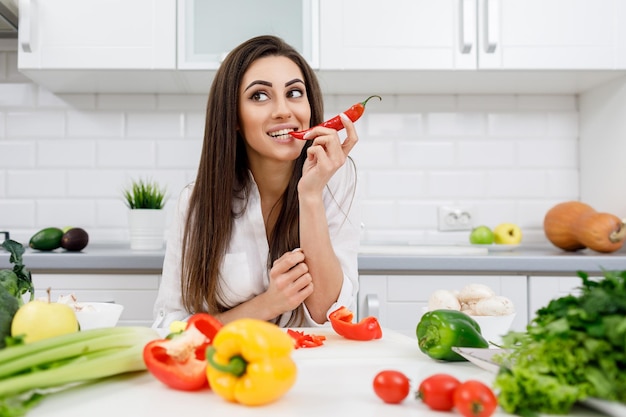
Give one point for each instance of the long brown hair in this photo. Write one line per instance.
(223, 178)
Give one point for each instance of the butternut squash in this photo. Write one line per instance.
(558, 221)
(573, 225)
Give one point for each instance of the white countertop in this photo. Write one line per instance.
(334, 379)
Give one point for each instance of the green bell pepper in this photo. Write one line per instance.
(439, 330)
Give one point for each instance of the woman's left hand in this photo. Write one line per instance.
(325, 156)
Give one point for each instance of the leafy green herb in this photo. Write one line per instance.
(575, 348)
(144, 195)
(13, 285)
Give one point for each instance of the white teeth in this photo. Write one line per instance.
(281, 132)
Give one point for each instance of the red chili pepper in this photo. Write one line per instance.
(303, 340)
(366, 329)
(353, 113)
(180, 362)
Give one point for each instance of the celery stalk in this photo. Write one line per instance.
(14, 352)
(117, 361)
(89, 343)
(78, 357)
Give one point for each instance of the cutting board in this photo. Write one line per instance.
(392, 345)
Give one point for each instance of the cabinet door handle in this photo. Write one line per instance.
(25, 24)
(491, 26)
(467, 22)
(372, 306)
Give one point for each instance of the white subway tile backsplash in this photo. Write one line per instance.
(126, 101)
(126, 153)
(517, 124)
(178, 153)
(549, 154)
(374, 154)
(95, 183)
(194, 125)
(563, 124)
(66, 212)
(393, 124)
(64, 159)
(564, 184)
(456, 184)
(95, 124)
(456, 124)
(395, 184)
(36, 184)
(16, 213)
(426, 154)
(35, 124)
(17, 154)
(475, 103)
(486, 154)
(517, 184)
(547, 102)
(191, 102)
(62, 153)
(17, 95)
(154, 125)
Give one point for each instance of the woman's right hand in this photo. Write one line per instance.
(290, 282)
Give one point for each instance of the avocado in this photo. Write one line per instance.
(75, 239)
(46, 239)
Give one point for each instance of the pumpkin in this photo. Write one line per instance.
(558, 222)
(602, 232)
(573, 225)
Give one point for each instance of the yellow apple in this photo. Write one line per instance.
(507, 234)
(37, 320)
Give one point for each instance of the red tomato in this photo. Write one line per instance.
(391, 386)
(475, 399)
(437, 391)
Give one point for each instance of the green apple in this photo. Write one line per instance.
(481, 235)
(38, 320)
(507, 234)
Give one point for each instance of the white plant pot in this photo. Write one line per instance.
(147, 229)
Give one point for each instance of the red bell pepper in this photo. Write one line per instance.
(366, 329)
(179, 362)
(304, 340)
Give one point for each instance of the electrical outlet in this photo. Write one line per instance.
(455, 218)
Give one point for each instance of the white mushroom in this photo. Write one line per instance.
(494, 306)
(443, 299)
(472, 293)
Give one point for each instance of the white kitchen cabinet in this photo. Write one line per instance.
(542, 289)
(398, 300)
(472, 34)
(209, 29)
(137, 293)
(76, 45)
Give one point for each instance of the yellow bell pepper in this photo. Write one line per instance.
(250, 362)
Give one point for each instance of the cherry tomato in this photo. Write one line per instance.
(474, 399)
(391, 386)
(437, 391)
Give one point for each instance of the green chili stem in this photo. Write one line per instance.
(236, 365)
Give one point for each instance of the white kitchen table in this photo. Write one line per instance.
(333, 380)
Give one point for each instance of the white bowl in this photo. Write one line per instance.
(494, 327)
(96, 315)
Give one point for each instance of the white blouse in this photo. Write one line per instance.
(244, 269)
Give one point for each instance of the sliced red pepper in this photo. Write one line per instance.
(180, 362)
(366, 329)
(304, 340)
(353, 113)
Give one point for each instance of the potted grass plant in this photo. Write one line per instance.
(146, 217)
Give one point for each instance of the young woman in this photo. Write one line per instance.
(269, 229)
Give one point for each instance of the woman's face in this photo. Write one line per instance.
(272, 102)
